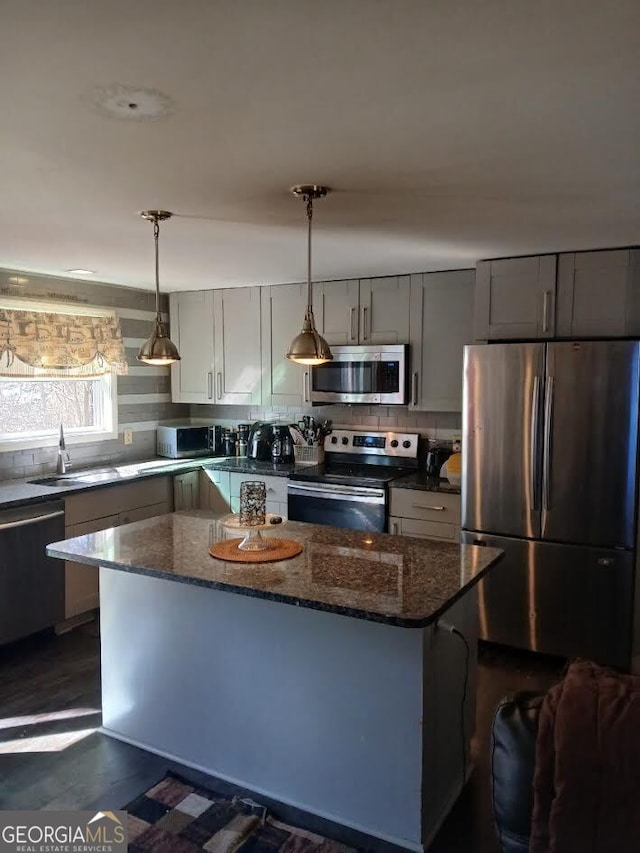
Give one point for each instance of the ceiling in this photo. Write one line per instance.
(449, 132)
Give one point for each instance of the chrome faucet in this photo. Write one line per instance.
(64, 461)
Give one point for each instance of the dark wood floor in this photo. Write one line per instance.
(51, 757)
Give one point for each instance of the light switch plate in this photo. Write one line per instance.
(127, 436)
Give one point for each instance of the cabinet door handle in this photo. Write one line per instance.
(546, 303)
(365, 328)
(305, 387)
(219, 384)
(210, 385)
(414, 389)
(353, 332)
(394, 527)
(436, 508)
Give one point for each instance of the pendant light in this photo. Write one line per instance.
(309, 347)
(158, 348)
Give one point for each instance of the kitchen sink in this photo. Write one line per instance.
(102, 475)
(76, 479)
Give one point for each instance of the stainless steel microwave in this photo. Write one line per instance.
(362, 374)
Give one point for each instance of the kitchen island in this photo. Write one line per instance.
(324, 681)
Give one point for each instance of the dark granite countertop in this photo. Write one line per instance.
(15, 493)
(424, 482)
(238, 465)
(397, 580)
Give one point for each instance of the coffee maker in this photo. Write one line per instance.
(282, 445)
(259, 441)
(216, 440)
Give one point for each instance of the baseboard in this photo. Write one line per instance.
(74, 621)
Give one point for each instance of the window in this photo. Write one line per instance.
(32, 409)
(58, 365)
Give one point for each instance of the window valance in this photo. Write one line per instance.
(45, 343)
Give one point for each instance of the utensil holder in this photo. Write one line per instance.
(304, 454)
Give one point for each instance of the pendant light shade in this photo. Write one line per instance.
(158, 349)
(309, 347)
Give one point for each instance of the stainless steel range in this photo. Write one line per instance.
(351, 488)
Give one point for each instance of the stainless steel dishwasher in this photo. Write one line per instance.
(31, 584)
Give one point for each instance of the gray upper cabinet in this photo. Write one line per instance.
(340, 304)
(191, 317)
(442, 305)
(238, 375)
(365, 311)
(515, 299)
(284, 383)
(384, 310)
(599, 294)
(217, 333)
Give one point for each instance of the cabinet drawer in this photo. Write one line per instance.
(111, 500)
(429, 529)
(276, 486)
(143, 512)
(437, 507)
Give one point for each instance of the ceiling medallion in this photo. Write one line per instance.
(130, 103)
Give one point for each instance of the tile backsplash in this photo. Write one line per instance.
(443, 426)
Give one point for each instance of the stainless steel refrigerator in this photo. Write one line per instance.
(550, 435)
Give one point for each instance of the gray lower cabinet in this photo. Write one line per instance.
(425, 515)
(215, 490)
(515, 299)
(186, 491)
(441, 325)
(99, 509)
(599, 294)
(191, 316)
(284, 383)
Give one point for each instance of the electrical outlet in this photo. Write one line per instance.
(127, 436)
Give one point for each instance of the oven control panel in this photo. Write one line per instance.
(403, 444)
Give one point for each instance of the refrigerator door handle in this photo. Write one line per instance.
(535, 445)
(548, 427)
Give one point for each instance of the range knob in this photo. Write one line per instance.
(394, 442)
(345, 440)
(334, 439)
(406, 444)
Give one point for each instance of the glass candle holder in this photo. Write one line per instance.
(253, 502)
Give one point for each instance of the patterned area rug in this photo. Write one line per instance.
(180, 817)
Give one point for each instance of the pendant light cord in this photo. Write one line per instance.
(309, 290)
(156, 235)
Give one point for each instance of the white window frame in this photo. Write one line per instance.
(81, 435)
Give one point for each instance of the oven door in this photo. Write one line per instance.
(358, 508)
(361, 375)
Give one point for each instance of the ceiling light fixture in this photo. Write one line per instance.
(158, 349)
(309, 347)
(80, 271)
